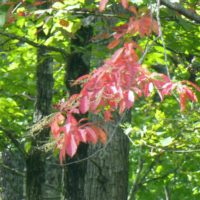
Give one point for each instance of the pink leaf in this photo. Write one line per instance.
(102, 5)
(82, 135)
(84, 104)
(122, 106)
(124, 3)
(71, 119)
(55, 129)
(117, 55)
(91, 135)
(107, 115)
(182, 101)
(71, 145)
(190, 94)
(130, 98)
(100, 133)
(113, 44)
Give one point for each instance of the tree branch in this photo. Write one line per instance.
(34, 44)
(180, 9)
(12, 170)
(13, 140)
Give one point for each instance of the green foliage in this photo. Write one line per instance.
(164, 152)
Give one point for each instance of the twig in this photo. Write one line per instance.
(34, 44)
(9, 134)
(161, 36)
(166, 193)
(40, 125)
(147, 47)
(12, 170)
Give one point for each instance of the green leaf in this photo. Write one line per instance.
(166, 141)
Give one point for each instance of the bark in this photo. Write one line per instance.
(107, 173)
(35, 161)
(78, 65)
(11, 175)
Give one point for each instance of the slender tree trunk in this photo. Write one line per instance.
(107, 172)
(78, 64)
(35, 162)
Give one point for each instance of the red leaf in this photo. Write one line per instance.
(84, 104)
(113, 44)
(21, 13)
(101, 134)
(102, 5)
(129, 99)
(122, 106)
(124, 3)
(107, 115)
(167, 88)
(81, 79)
(155, 27)
(190, 94)
(192, 84)
(39, 3)
(71, 145)
(133, 9)
(82, 135)
(71, 119)
(117, 55)
(91, 135)
(182, 101)
(55, 129)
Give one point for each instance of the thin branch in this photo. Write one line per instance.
(161, 36)
(180, 9)
(151, 166)
(12, 170)
(9, 134)
(40, 125)
(34, 44)
(166, 193)
(147, 48)
(94, 13)
(4, 42)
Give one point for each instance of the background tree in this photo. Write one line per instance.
(163, 158)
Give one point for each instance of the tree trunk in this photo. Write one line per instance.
(78, 65)
(107, 172)
(35, 162)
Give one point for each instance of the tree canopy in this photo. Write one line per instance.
(143, 57)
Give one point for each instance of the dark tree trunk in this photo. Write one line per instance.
(78, 64)
(35, 162)
(107, 172)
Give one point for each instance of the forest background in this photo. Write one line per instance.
(151, 152)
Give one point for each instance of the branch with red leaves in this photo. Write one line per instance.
(114, 86)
